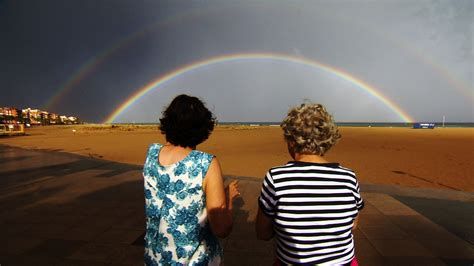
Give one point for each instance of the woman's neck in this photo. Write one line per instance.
(310, 158)
(177, 148)
(171, 154)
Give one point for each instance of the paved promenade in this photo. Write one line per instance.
(62, 209)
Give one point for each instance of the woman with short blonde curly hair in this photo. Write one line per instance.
(310, 129)
(310, 204)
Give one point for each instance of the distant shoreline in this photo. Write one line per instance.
(341, 124)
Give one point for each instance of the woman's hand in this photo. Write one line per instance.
(232, 191)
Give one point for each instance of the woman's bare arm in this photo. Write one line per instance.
(356, 222)
(263, 226)
(218, 205)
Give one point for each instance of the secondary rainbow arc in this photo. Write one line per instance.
(404, 116)
(93, 63)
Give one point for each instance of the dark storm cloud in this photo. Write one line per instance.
(418, 54)
(45, 42)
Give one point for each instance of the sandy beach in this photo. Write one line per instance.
(439, 158)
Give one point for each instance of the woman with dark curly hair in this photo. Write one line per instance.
(186, 203)
(310, 204)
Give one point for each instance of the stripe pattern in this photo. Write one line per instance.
(313, 207)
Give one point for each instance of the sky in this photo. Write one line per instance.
(366, 61)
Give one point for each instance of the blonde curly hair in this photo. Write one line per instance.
(310, 129)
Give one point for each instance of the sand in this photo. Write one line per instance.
(438, 158)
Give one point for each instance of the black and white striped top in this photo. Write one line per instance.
(313, 207)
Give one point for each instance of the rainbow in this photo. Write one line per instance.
(94, 62)
(458, 84)
(88, 67)
(259, 56)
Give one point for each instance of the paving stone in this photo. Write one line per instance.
(358, 234)
(101, 221)
(18, 245)
(400, 248)
(412, 261)
(249, 198)
(368, 207)
(248, 258)
(28, 218)
(364, 249)
(459, 249)
(428, 193)
(458, 262)
(67, 219)
(129, 255)
(55, 248)
(370, 261)
(56, 206)
(85, 232)
(122, 236)
(388, 205)
(457, 216)
(419, 227)
(366, 220)
(234, 245)
(31, 260)
(136, 221)
(117, 212)
(8, 230)
(46, 230)
(244, 231)
(71, 262)
(383, 232)
(96, 252)
(240, 216)
(91, 211)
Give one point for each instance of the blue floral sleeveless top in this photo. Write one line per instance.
(177, 229)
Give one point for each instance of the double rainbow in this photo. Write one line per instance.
(360, 84)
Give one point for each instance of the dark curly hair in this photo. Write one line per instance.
(186, 122)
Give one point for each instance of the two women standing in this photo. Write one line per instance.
(309, 205)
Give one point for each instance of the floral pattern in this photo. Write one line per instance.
(177, 230)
